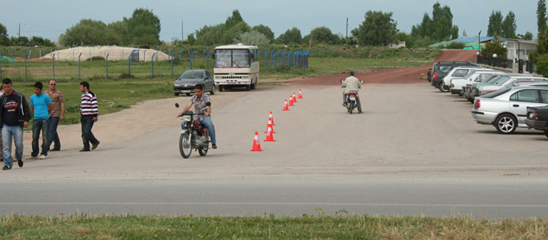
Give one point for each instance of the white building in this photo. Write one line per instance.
(519, 48)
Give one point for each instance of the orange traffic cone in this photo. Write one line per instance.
(269, 126)
(294, 98)
(300, 94)
(291, 101)
(286, 108)
(269, 136)
(256, 143)
(271, 118)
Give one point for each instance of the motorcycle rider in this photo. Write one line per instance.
(199, 101)
(353, 85)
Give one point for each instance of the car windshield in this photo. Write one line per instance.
(191, 75)
(496, 93)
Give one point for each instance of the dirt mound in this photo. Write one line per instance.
(395, 75)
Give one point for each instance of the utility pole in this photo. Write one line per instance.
(182, 34)
(19, 33)
(346, 27)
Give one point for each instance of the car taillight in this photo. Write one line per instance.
(435, 75)
(477, 104)
(535, 116)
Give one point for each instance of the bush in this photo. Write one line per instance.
(542, 65)
(97, 58)
(456, 45)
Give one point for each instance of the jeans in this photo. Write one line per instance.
(7, 133)
(210, 128)
(87, 135)
(357, 101)
(37, 125)
(53, 137)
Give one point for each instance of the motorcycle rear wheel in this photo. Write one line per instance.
(185, 147)
(203, 151)
(351, 107)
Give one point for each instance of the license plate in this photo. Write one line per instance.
(186, 91)
(352, 98)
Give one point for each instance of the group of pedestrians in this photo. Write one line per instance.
(48, 108)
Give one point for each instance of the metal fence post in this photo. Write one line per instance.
(145, 56)
(181, 56)
(172, 56)
(106, 60)
(90, 54)
(79, 66)
(203, 54)
(207, 58)
(266, 60)
(129, 64)
(289, 60)
(157, 54)
(26, 62)
(53, 65)
(152, 62)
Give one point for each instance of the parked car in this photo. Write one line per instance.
(502, 79)
(441, 69)
(429, 75)
(506, 109)
(537, 117)
(458, 72)
(186, 82)
(511, 82)
(477, 75)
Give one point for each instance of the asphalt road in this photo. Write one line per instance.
(414, 151)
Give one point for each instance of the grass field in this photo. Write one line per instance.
(267, 227)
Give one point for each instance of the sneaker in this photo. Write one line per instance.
(31, 157)
(55, 150)
(20, 163)
(84, 150)
(6, 168)
(360, 112)
(214, 146)
(42, 156)
(94, 146)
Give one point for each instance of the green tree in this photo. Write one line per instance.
(494, 47)
(41, 42)
(464, 34)
(265, 30)
(86, 32)
(323, 35)
(542, 47)
(143, 27)
(190, 39)
(233, 20)
(230, 34)
(21, 41)
(290, 36)
(542, 65)
(4, 40)
(541, 16)
(252, 38)
(210, 35)
(509, 26)
(378, 29)
(528, 36)
(495, 24)
(118, 34)
(438, 28)
(3, 30)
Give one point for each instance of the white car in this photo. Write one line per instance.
(479, 75)
(506, 109)
(458, 72)
(510, 82)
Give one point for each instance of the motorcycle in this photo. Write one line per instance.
(351, 101)
(194, 134)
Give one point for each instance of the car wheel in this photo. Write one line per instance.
(212, 92)
(188, 94)
(506, 124)
(176, 94)
(442, 87)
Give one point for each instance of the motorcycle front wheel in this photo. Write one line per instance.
(185, 147)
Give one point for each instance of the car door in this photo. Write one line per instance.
(520, 100)
(208, 81)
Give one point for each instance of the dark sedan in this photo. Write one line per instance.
(186, 82)
(537, 118)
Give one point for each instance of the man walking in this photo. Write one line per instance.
(88, 111)
(40, 104)
(14, 116)
(57, 114)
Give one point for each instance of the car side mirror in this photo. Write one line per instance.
(177, 105)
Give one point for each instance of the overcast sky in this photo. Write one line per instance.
(51, 18)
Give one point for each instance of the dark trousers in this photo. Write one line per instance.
(87, 135)
(53, 137)
(37, 126)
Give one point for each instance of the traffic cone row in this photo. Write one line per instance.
(270, 126)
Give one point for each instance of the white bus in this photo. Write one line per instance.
(236, 66)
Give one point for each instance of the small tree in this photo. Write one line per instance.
(494, 47)
(252, 38)
(378, 29)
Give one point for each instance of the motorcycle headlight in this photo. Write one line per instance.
(187, 118)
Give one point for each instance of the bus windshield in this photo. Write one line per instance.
(232, 58)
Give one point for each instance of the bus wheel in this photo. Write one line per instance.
(247, 87)
(253, 85)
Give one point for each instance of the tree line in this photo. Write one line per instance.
(377, 29)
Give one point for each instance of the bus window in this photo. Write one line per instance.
(223, 58)
(240, 58)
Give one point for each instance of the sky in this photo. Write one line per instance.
(178, 18)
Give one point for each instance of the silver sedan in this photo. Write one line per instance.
(506, 109)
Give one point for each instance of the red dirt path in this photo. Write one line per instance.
(396, 75)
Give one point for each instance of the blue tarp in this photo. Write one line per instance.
(6, 59)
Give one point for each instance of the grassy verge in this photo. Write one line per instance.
(267, 227)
